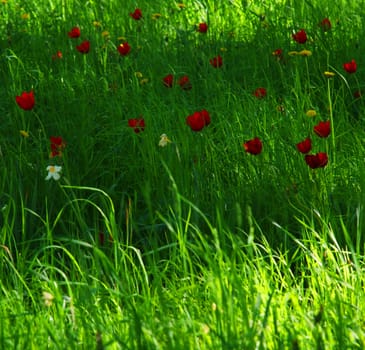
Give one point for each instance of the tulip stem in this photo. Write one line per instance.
(330, 107)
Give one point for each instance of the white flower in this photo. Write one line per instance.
(53, 172)
(164, 140)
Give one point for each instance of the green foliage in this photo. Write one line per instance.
(197, 244)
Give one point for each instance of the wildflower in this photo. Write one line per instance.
(311, 113)
(84, 47)
(137, 14)
(293, 53)
(253, 146)
(328, 74)
(318, 160)
(280, 108)
(278, 53)
(26, 100)
(202, 28)
(305, 53)
(304, 146)
(105, 34)
(47, 298)
(198, 120)
(74, 33)
(57, 55)
(206, 116)
(97, 24)
(323, 129)
(164, 140)
(358, 94)
(137, 124)
(350, 67)
(54, 172)
(143, 81)
(325, 24)
(124, 49)
(216, 62)
(184, 83)
(24, 133)
(260, 92)
(156, 16)
(300, 37)
(25, 16)
(57, 146)
(168, 80)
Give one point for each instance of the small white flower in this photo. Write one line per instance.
(164, 140)
(53, 172)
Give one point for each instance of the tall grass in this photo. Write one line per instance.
(199, 244)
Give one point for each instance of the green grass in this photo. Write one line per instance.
(199, 244)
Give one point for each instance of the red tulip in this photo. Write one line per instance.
(84, 47)
(137, 14)
(198, 120)
(137, 124)
(74, 33)
(216, 62)
(304, 146)
(202, 28)
(260, 92)
(350, 67)
(206, 116)
(323, 129)
(325, 24)
(124, 49)
(300, 37)
(253, 146)
(25, 100)
(168, 80)
(318, 160)
(57, 146)
(184, 82)
(57, 55)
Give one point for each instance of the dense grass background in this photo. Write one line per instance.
(196, 245)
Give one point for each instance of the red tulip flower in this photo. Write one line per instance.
(216, 62)
(304, 146)
(350, 67)
(300, 37)
(202, 28)
(57, 55)
(124, 49)
(137, 14)
(358, 94)
(74, 33)
(84, 47)
(325, 24)
(206, 116)
(198, 120)
(260, 92)
(137, 124)
(253, 146)
(318, 160)
(168, 80)
(57, 146)
(323, 129)
(184, 82)
(25, 100)
(278, 53)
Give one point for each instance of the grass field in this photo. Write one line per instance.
(182, 175)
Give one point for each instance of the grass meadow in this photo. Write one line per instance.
(182, 175)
